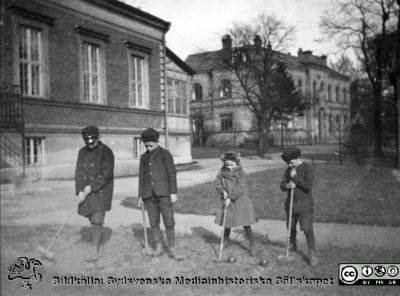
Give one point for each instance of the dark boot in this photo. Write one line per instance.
(293, 246)
(170, 231)
(293, 240)
(97, 241)
(158, 239)
(227, 232)
(312, 257)
(250, 237)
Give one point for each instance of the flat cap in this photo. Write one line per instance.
(290, 153)
(230, 155)
(150, 135)
(90, 131)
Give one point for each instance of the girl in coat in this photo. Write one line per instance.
(231, 186)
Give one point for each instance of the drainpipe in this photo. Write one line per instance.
(165, 93)
(211, 94)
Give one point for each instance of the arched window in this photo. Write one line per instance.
(322, 86)
(344, 95)
(197, 92)
(225, 90)
(329, 93)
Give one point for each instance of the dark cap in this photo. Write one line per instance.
(150, 135)
(90, 132)
(230, 155)
(290, 153)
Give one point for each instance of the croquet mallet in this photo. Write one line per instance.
(146, 251)
(288, 257)
(221, 246)
(45, 252)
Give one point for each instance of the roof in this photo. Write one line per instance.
(132, 12)
(179, 62)
(202, 62)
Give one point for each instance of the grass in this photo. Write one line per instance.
(123, 258)
(342, 194)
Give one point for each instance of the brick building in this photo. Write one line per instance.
(221, 117)
(67, 64)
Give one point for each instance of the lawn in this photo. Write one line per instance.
(342, 194)
(123, 258)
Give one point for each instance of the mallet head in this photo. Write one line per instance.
(46, 253)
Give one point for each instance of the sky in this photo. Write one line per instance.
(198, 25)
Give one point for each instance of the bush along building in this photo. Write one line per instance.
(68, 64)
(220, 115)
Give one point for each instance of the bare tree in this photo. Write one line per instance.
(252, 56)
(363, 25)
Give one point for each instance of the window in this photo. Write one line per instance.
(34, 151)
(314, 89)
(226, 121)
(344, 95)
(176, 91)
(329, 93)
(225, 89)
(92, 65)
(197, 92)
(30, 62)
(337, 94)
(321, 87)
(138, 78)
(300, 85)
(137, 147)
(91, 73)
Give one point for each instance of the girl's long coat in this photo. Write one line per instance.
(241, 211)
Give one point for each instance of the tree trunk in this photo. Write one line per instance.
(263, 142)
(397, 94)
(377, 120)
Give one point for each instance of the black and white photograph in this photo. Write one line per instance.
(200, 147)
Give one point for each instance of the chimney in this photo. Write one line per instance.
(324, 60)
(300, 52)
(227, 42)
(257, 41)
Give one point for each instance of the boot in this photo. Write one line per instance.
(159, 250)
(170, 232)
(253, 250)
(293, 246)
(227, 232)
(175, 255)
(312, 257)
(158, 237)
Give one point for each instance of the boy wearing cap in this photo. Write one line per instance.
(158, 189)
(94, 183)
(299, 177)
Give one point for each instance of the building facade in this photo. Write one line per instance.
(68, 64)
(220, 115)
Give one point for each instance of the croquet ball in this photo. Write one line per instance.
(263, 262)
(231, 259)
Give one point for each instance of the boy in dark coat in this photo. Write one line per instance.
(94, 182)
(299, 177)
(158, 189)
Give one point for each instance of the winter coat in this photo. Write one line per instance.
(95, 168)
(157, 174)
(241, 211)
(303, 197)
